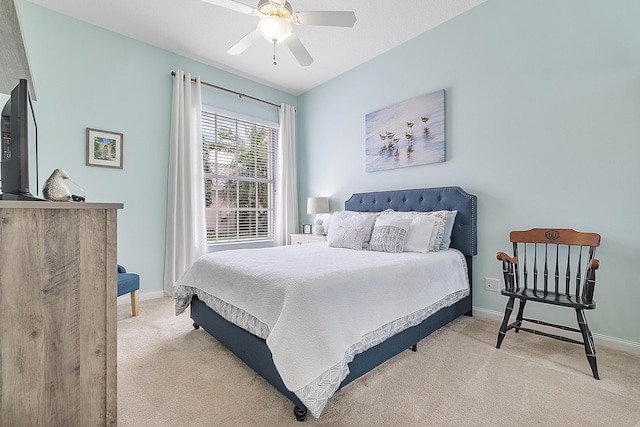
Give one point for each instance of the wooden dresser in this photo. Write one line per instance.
(58, 274)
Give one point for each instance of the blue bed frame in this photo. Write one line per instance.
(254, 351)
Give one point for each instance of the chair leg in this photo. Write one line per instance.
(134, 303)
(520, 314)
(505, 321)
(589, 348)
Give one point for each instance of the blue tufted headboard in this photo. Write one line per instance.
(463, 236)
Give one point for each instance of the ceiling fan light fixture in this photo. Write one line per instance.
(274, 24)
(274, 29)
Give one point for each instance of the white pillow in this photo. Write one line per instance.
(352, 219)
(348, 238)
(420, 231)
(389, 234)
(438, 230)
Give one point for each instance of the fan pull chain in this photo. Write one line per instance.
(274, 53)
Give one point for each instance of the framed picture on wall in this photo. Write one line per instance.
(104, 148)
(409, 133)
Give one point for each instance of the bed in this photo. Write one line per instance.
(283, 341)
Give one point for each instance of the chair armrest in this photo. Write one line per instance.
(501, 256)
(509, 267)
(121, 269)
(590, 279)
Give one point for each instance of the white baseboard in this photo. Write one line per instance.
(606, 341)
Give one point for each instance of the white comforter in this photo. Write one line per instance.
(320, 305)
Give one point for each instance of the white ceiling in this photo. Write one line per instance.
(203, 32)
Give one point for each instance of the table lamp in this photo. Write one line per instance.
(318, 205)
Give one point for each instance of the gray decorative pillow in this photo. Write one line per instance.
(448, 228)
(389, 235)
(348, 237)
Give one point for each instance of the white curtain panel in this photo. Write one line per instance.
(186, 229)
(286, 191)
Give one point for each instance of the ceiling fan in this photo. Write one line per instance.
(276, 17)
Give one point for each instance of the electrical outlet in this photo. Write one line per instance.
(491, 284)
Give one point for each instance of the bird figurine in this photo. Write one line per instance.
(55, 190)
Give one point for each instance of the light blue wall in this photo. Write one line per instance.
(89, 77)
(542, 100)
(542, 106)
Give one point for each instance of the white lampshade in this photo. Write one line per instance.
(274, 29)
(317, 205)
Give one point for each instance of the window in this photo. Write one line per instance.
(239, 157)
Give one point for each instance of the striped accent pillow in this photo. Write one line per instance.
(389, 235)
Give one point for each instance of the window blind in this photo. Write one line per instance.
(239, 160)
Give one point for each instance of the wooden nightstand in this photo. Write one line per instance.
(301, 239)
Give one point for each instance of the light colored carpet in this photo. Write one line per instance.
(172, 375)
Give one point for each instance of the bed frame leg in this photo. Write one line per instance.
(414, 348)
(300, 413)
(196, 326)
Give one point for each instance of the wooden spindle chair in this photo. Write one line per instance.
(541, 270)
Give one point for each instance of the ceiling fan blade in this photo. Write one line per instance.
(299, 51)
(329, 18)
(242, 44)
(234, 5)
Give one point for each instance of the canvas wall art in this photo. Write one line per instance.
(409, 133)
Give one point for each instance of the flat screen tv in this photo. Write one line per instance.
(19, 133)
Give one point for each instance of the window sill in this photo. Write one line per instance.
(248, 244)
